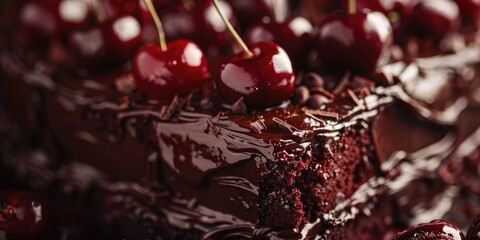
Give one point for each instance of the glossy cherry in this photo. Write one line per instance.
(39, 18)
(48, 19)
(250, 11)
(435, 230)
(293, 35)
(435, 18)
(109, 43)
(470, 11)
(354, 42)
(178, 22)
(211, 32)
(22, 214)
(178, 70)
(399, 12)
(264, 80)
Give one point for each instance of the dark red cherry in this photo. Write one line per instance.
(178, 70)
(114, 8)
(293, 35)
(211, 33)
(112, 42)
(47, 19)
(470, 11)
(399, 12)
(354, 42)
(435, 230)
(178, 22)
(250, 11)
(74, 15)
(474, 229)
(39, 18)
(435, 18)
(264, 80)
(22, 214)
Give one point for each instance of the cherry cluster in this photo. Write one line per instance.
(439, 229)
(194, 33)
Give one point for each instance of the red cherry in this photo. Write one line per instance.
(211, 33)
(264, 80)
(250, 11)
(470, 11)
(178, 22)
(115, 8)
(293, 35)
(113, 42)
(22, 215)
(48, 19)
(39, 18)
(201, 24)
(435, 18)
(357, 42)
(399, 12)
(178, 70)
(434, 230)
(74, 15)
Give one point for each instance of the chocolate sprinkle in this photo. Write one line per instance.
(322, 91)
(315, 118)
(125, 84)
(174, 105)
(341, 85)
(258, 126)
(353, 96)
(321, 113)
(285, 125)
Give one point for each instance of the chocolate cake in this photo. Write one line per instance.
(350, 153)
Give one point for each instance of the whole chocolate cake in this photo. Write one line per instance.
(133, 119)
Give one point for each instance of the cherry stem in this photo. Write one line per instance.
(276, 12)
(232, 31)
(100, 11)
(352, 7)
(158, 23)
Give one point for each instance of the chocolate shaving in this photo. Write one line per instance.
(258, 126)
(172, 107)
(188, 99)
(353, 96)
(322, 91)
(329, 149)
(239, 107)
(321, 113)
(341, 85)
(125, 84)
(364, 81)
(285, 125)
(314, 117)
(162, 111)
(362, 92)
